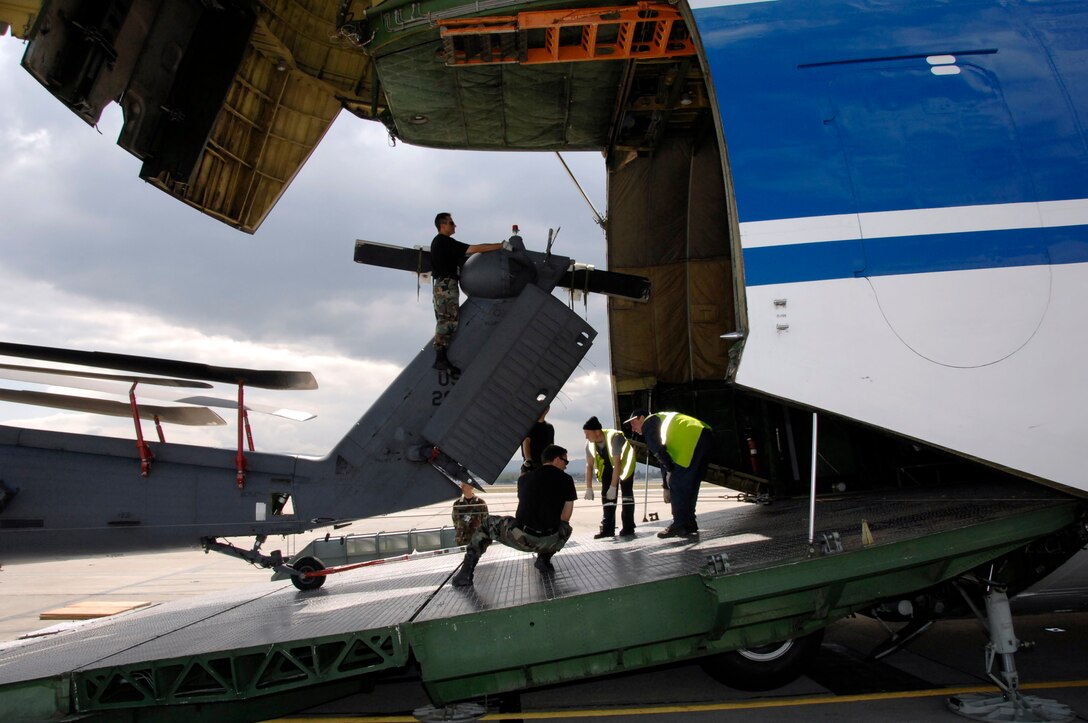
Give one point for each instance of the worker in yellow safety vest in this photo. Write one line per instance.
(610, 458)
(683, 446)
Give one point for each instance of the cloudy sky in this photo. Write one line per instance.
(96, 259)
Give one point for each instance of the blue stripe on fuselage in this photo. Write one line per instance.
(915, 254)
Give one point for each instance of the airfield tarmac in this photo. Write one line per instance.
(912, 684)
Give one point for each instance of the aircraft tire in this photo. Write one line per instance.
(765, 667)
(308, 564)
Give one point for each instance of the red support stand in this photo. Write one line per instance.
(145, 451)
(249, 432)
(243, 424)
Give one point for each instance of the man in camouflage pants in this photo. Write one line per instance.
(447, 257)
(542, 521)
(468, 514)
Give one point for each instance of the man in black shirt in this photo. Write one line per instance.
(447, 257)
(542, 521)
(541, 434)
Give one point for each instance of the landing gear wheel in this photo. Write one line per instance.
(764, 667)
(308, 564)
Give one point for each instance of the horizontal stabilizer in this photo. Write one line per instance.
(521, 367)
(188, 416)
(578, 278)
(262, 378)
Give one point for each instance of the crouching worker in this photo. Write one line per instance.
(469, 512)
(541, 524)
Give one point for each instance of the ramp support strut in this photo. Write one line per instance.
(1011, 705)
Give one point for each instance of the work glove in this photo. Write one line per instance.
(666, 495)
(589, 493)
(610, 494)
(507, 245)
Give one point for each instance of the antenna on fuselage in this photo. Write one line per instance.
(552, 235)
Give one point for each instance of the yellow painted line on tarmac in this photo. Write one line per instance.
(705, 707)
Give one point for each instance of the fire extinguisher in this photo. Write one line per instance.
(753, 452)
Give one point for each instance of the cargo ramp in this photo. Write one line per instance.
(750, 578)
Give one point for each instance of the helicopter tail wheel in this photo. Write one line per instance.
(308, 564)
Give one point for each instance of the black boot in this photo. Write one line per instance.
(463, 578)
(442, 361)
(544, 562)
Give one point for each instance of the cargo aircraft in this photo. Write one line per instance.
(870, 213)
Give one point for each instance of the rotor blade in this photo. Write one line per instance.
(111, 384)
(296, 415)
(610, 283)
(188, 416)
(263, 378)
(393, 257)
(41, 375)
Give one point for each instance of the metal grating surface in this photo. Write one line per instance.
(751, 536)
(389, 595)
(253, 616)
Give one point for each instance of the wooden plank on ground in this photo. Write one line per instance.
(89, 609)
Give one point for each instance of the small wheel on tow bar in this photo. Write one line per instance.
(308, 564)
(764, 667)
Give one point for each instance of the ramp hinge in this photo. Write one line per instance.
(718, 564)
(829, 544)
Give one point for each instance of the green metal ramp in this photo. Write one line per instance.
(749, 579)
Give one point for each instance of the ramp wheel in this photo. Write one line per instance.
(308, 564)
(764, 667)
